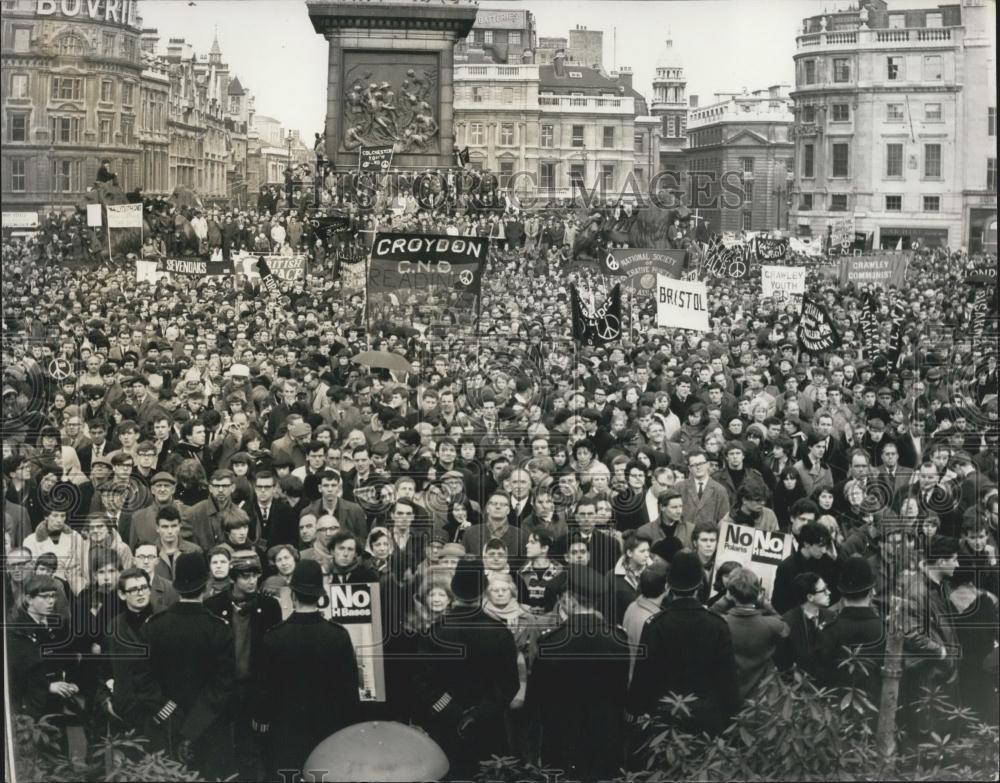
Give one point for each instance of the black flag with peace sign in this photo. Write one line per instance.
(599, 327)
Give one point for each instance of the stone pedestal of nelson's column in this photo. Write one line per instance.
(390, 77)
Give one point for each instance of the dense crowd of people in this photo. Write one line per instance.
(190, 466)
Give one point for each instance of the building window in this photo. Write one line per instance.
(71, 45)
(65, 130)
(747, 165)
(107, 91)
(933, 19)
(991, 175)
(838, 202)
(671, 127)
(128, 93)
(608, 176)
(932, 203)
(841, 112)
(487, 36)
(514, 37)
(508, 94)
(682, 122)
(547, 176)
(748, 189)
(932, 68)
(548, 136)
(894, 68)
(108, 44)
(507, 134)
(894, 112)
(991, 121)
(128, 48)
(747, 221)
(506, 172)
(894, 160)
(577, 136)
(932, 112)
(805, 202)
(62, 176)
(932, 161)
(22, 39)
(638, 144)
(105, 131)
(476, 133)
(66, 89)
(897, 21)
(808, 114)
(893, 203)
(18, 176)
(576, 175)
(841, 69)
(608, 137)
(19, 85)
(808, 160)
(18, 127)
(477, 94)
(841, 160)
(809, 72)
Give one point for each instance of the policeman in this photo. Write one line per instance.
(305, 677)
(686, 649)
(192, 662)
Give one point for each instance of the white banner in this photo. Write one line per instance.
(782, 281)
(124, 215)
(20, 219)
(94, 218)
(288, 269)
(147, 272)
(758, 550)
(682, 304)
(357, 608)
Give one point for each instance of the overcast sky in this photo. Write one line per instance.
(725, 45)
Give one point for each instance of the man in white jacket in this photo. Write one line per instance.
(55, 536)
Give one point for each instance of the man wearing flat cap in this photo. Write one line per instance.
(191, 665)
(689, 650)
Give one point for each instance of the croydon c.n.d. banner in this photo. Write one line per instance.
(425, 278)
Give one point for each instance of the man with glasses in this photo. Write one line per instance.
(705, 499)
(805, 622)
(161, 592)
(209, 518)
(128, 702)
(272, 520)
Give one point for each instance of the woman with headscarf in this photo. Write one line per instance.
(500, 603)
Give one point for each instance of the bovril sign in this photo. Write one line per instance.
(116, 11)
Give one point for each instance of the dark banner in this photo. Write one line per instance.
(267, 280)
(375, 160)
(816, 332)
(463, 156)
(767, 249)
(869, 325)
(979, 312)
(898, 314)
(600, 326)
(330, 228)
(641, 266)
(725, 262)
(425, 278)
(196, 267)
(982, 276)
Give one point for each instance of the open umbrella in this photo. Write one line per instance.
(393, 362)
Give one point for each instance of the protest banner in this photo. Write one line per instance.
(842, 232)
(287, 270)
(682, 304)
(879, 270)
(869, 325)
(21, 220)
(768, 249)
(640, 266)
(375, 160)
(781, 282)
(431, 278)
(124, 215)
(725, 262)
(94, 217)
(982, 276)
(148, 272)
(597, 326)
(195, 267)
(357, 607)
(759, 550)
(816, 331)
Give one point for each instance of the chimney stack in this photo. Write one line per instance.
(693, 101)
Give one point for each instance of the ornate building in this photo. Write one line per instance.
(738, 160)
(670, 105)
(72, 95)
(500, 35)
(895, 123)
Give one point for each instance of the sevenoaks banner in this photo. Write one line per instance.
(641, 266)
(195, 267)
(430, 278)
(682, 304)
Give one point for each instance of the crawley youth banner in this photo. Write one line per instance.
(817, 332)
(879, 270)
(430, 278)
(758, 550)
(640, 266)
(682, 304)
(782, 282)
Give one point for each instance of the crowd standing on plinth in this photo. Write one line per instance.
(190, 466)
